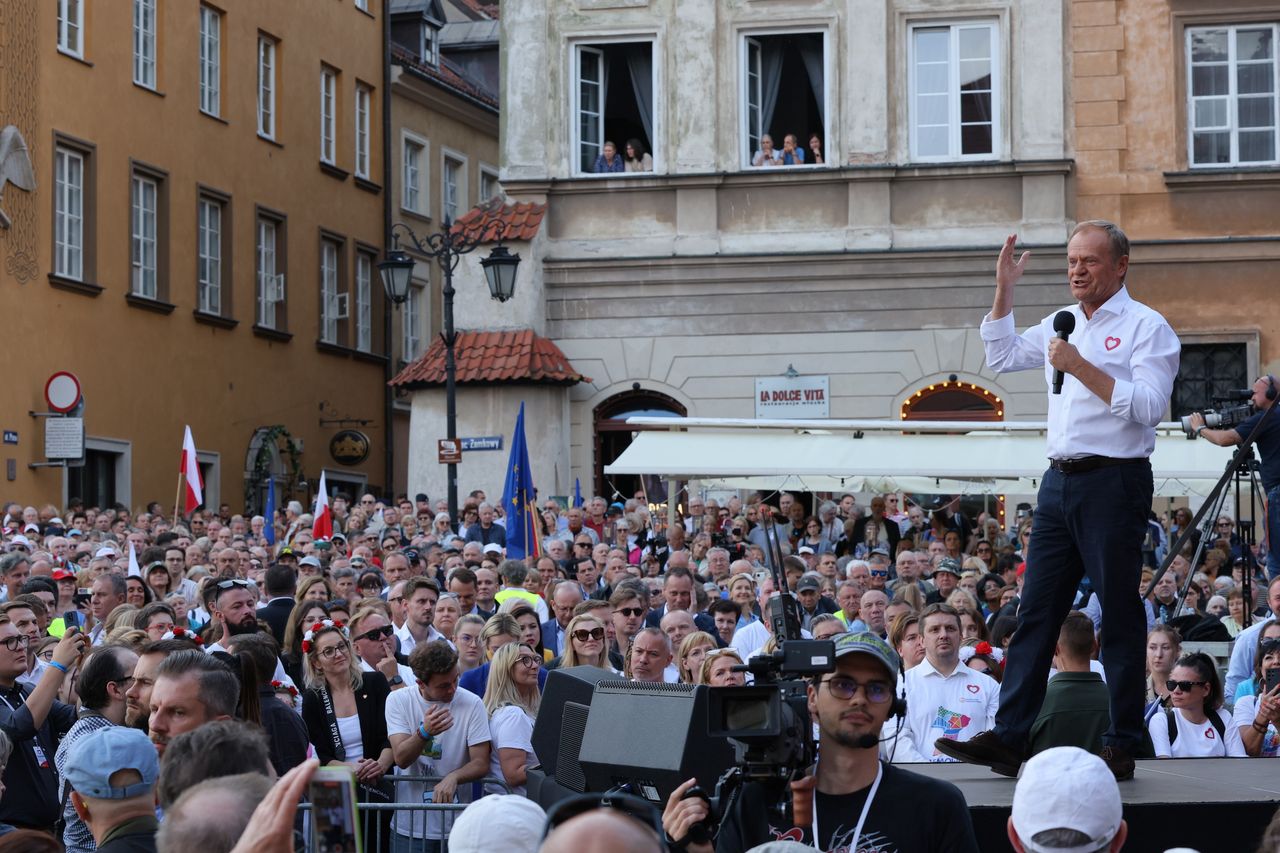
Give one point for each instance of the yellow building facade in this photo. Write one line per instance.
(200, 243)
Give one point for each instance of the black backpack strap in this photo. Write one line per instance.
(1173, 725)
(1221, 728)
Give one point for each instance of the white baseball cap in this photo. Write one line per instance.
(493, 548)
(1066, 788)
(514, 819)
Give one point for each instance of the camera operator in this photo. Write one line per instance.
(1268, 443)
(857, 802)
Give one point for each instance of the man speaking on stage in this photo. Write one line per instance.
(1110, 385)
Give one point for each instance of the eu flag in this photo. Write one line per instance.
(519, 499)
(269, 528)
(577, 493)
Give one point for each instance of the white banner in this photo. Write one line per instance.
(793, 397)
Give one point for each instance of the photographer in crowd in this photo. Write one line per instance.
(1268, 442)
(855, 802)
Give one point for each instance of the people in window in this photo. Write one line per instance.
(815, 149)
(792, 154)
(609, 160)
(766, 156)
(638, 160)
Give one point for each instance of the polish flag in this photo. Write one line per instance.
(322, 519)
(191, 473)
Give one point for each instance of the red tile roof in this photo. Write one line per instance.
(481, 9)
(516, 356)
(448, 75)
(496, 220)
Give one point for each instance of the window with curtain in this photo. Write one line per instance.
(613, 104)
(954, 107)
(1232, 91)
(784, 99)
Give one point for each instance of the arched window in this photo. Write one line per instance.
(952, 400)
(613, 435)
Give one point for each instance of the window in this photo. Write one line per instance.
(270, 272)
(333, 305)
(411, 324)
(613, 86)
(362, 5)
(784, 98)
(71, 27)
(210, 61)
(68, 213)
(328, 114)
(488, 185)
(266, 86)
(1206, 372)
(429, 52)
(955, 99)
(145, 204)
(363, 102)
(1232, 102)
(144, 43)
(453, 187)
(209, 256)
(413, 175)
(364, 302)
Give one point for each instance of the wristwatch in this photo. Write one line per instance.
(395, 681)
(1201, 429)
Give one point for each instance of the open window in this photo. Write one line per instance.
(784, 94)
(613, 92)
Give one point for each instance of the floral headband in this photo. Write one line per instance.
(322, 625)
(984, 648)
(177, 632)
(281, 687)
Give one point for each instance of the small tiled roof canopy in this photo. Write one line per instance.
(496, 220)
(498, 358)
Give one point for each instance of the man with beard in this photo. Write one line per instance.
(101, 684)
(234, 608)
(191, 689)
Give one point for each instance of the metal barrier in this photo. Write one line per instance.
(376, 841)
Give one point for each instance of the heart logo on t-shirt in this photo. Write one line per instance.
(1209, 734)
(972, 688)
(1112, 343)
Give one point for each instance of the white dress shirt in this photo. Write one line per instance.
(956, 707)
(1129, 342)
(407, 642)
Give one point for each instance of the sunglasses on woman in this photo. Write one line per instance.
(1271, 645)
(582, 634)
(1184, 686)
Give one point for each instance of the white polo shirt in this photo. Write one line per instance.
(956, 707)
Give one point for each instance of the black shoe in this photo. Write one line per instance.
(985, 749)
(1118, 761)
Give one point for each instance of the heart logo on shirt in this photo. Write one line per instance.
(1209, 734)
(1112, 343)
(972, 688)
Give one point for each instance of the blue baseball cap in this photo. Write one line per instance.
(93, 759)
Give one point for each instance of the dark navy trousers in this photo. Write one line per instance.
(1091, 523)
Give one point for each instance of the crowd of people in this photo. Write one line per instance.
(791, 153)
(147, 665)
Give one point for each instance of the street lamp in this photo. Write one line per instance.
(447, 248)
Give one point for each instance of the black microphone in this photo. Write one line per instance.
(1064, 323)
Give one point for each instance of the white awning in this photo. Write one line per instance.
(987, 459)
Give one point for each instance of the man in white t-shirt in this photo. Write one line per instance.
(435, 729)
(945, 698)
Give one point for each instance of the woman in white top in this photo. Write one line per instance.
(1257, 712)
(512, 698)
(1196, 726)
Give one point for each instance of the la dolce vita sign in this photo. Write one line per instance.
(793, 396)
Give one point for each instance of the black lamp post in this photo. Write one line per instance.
(447, 248)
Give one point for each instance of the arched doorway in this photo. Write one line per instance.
(952, 400)
(613, 435)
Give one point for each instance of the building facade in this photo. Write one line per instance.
(199, 246)
(929, 131)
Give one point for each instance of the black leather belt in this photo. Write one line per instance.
(1088, 463)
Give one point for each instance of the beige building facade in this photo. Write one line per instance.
(199, 245)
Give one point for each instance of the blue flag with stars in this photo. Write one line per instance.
(269, 528)
(577, 493)
(519, 499)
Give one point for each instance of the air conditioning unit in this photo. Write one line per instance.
(338, 306)
(273, 288)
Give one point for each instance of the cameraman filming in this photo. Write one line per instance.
(857, 802)
(1268, 443)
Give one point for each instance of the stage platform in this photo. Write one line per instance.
(1213, 805)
